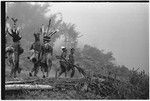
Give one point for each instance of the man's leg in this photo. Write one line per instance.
(49, 63)
(73, 71)
(16, 64)
(36, 68)
(12, 69)
(33, 70)
(62, 69)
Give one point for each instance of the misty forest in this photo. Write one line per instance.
(93, 75)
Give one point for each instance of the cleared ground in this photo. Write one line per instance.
(63, 88)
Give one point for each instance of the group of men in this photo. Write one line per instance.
(41, 51)
(66, 64)
(16, 49)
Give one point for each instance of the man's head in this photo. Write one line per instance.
(64, 49)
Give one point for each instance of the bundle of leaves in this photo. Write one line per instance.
(95, 85)
(110, 88)
(140, 81)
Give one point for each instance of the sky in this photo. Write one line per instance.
(122, 28)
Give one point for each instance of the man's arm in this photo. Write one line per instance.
(31, 47)
(9, 33)
(17, 31)
(52, 33)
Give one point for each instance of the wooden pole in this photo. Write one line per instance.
(27, 86)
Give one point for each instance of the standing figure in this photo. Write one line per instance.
(18, 50)
(63, 64)
(66, 66)
(47, 49)
(46, 60)
(36, 49)
(71, 62)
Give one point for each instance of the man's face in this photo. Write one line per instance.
(45, 42)
(72, 51)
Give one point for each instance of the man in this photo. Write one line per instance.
(71, 62)
(46, 48)
(63, 64)
(47, 52)
(36, 49)
(71, 58)
(14, 33)
(18, 50)
(64, 54)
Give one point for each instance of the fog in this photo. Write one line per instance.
(122, 28)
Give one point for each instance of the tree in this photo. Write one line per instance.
(70, 34)
(96, 60)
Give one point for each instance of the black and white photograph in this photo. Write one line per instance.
(75, 50)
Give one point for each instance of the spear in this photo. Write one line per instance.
(51, 34)
(78, 68)
(42, 33)
(49, 25)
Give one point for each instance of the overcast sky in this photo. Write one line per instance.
(122, 28)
